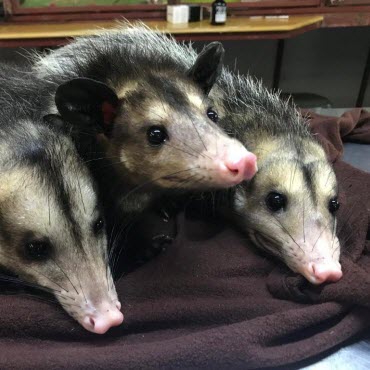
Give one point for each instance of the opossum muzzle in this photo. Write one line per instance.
(228, 166)
(320, 263)
(103, 317)
(238, 166)
(91, 298)
(318, 272)
(317, 261)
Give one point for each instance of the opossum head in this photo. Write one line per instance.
(289, 207)
(160, 126)
(52, 233)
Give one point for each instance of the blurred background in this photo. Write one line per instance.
(323, 64)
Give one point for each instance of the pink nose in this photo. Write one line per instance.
(319, 273)
(101, 321)
(240, 167)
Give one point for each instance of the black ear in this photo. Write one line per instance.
(207, 67)
(83, 101)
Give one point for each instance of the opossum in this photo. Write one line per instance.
(147, 96)
(52, 233)
(302, 231)
(289, 207)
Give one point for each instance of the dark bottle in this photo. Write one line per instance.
(218, 14)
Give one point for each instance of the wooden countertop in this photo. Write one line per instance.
(236, 25)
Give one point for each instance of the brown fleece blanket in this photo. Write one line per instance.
(212, 301)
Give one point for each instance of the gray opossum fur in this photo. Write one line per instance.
(113, 56)
(255, 109)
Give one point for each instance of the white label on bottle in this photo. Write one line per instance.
(220, 16)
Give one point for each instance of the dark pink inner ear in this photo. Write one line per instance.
(109, 112)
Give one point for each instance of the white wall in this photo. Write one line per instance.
(329, 62)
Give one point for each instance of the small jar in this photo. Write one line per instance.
(219, 12)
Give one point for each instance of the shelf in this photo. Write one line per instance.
(238, 27)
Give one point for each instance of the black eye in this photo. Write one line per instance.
(212, 115)
(38, 250)
(156, 135)
(275, 201)
(98, 226)
(333, 205)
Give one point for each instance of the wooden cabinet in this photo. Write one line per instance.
(280, 3)
(357, 12)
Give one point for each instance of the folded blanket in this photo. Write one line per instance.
(211, 300)
(352, 126)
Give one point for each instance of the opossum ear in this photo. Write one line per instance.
(207, 67)
(86, 101)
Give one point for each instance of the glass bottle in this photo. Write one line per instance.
(218, 13)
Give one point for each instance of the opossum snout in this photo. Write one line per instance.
(318, 273)
(242, 166)
(237, 166)
(101, 319)
(320, 263)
